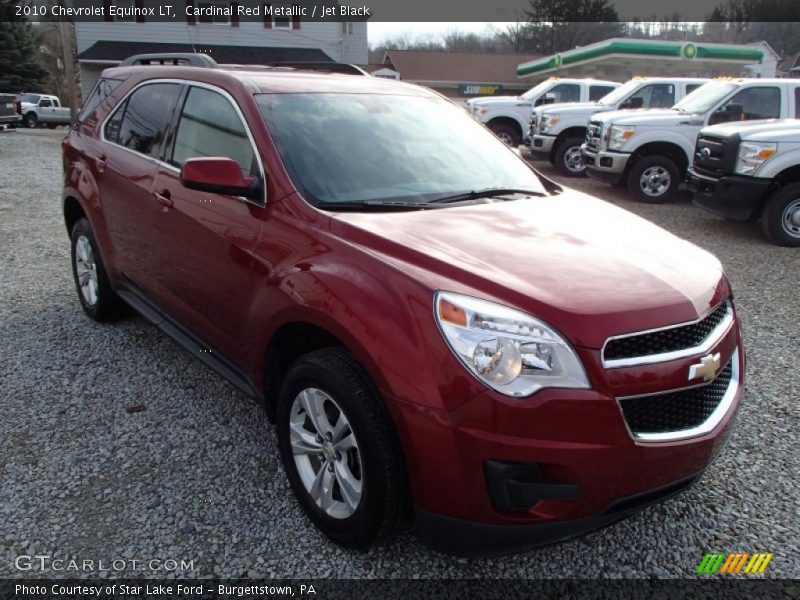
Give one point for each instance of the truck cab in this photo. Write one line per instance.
(557, 131)
(508, 116)
(650, 151)
(750, 171)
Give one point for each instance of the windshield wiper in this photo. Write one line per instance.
(485, 193)
(373, 204)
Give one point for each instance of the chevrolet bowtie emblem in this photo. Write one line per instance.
(708, 367)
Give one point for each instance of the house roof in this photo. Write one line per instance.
(466, 67)
(105, 50)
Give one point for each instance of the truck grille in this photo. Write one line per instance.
(532, 126)
(672, 339)
(594, 134)
(676, 411)
(715, 156)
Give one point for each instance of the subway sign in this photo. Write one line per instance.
(476, 89)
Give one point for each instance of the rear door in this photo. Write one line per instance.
(205, 241)
(125, 165)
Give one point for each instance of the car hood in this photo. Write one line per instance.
(587, 267)
(646, 117)
(771, 130)
(573, 108)
(499, 100)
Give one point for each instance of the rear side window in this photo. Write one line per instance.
(759, 102)
(140, 123)
(598, 91)
(102, 89)
(797, 103)
(690, 87)
(210, 126)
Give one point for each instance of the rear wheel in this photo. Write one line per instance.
(780, 218)
(340, 451)
(568, 159)
(653, 179)
(507, 134)
(98, 299)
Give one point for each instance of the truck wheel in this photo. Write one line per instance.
(568, 159)
(340, 451)
(507, 134)
(98, 299)
(780, 218)
(31, 120)
(653, 179)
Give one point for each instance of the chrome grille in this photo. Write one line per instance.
(594, 133)
(676, 411)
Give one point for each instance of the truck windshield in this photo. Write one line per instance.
(705, 97)
(620, 93)
(373, 148)
(30, 98)
(537, 90)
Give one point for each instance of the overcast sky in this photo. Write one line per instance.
(381, 31)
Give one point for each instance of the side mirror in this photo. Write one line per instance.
(219, 175)
(730, 112)
(634, 103)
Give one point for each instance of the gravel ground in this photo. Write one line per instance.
(117, 444)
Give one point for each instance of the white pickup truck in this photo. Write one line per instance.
(650, 150)
(43, 109)
(508, 116)
(557, 131)
(747, 171)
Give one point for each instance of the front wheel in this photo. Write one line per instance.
(653, 179)
(780, 218)
(31, 120)
(340, 451)
(507, 134)
(568, 159)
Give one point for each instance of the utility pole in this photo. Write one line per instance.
(69, 64)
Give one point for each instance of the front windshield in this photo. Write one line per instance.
(31, 98)
(705, 97)
(537, 90)
(620, 93)
(357, 148)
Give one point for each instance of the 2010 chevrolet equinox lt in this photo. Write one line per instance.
(432, 325)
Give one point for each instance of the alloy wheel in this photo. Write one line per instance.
(86, 270)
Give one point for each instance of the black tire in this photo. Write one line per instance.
(31, 120)
(777, 216)
(660, 166)
(564, 150)
(506, 133)
(384, 502)
(107, 306)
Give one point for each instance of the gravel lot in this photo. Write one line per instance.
(117, 444)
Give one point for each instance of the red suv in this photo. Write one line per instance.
(431, 324)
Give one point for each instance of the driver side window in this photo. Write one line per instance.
(210, 126)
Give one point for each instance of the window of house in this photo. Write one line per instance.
(210, 126)
(214, 13)
(141, 122)
(347, 28)
(282, 22)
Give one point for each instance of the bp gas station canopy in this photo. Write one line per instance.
(620, 59)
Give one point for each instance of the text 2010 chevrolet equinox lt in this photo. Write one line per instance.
(431, 324)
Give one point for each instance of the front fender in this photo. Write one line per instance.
(775, 165)
(661, 136)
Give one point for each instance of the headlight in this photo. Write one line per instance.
(752, 155)
(549, 121)
(619, 134)
(481, 111)
(509, 351)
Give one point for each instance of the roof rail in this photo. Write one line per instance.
(176, 58)
(331, 67)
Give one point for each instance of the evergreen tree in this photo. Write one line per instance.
(21, 68)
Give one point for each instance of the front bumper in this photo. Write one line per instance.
(735, 197)
(541, 145)
(571, 463)
(604, 165)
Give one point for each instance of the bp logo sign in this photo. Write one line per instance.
(557, 61)
(689, 51)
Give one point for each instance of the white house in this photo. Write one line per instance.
(265, 39)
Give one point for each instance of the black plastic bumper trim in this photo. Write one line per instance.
(735, 197)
